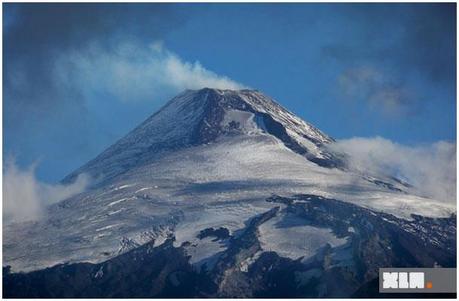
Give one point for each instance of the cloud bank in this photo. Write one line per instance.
(25, 198)
(431, 169)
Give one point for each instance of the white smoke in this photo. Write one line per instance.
(133, 72)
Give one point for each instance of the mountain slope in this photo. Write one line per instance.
(199, 117)
(203, 172)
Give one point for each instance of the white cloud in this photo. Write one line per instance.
(429, 168)
(133, 72)
(25, 198)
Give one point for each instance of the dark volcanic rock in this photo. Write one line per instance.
(220, 233)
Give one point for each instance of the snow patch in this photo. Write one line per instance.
(291, 237)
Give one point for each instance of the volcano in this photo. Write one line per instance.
(225, 193)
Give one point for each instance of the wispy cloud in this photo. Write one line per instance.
(420, 44)
(379, 91)
(25, 198)
(431, 169)
(396, 65)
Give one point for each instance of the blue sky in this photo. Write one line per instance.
(78, 77)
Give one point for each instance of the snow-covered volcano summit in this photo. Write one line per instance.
(226, 161)
(198, 117)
